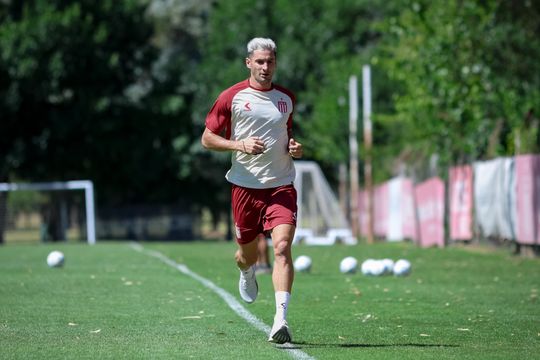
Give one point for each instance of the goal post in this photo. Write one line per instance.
(85, 185)
(320, 218)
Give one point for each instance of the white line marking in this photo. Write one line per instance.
(229, 299)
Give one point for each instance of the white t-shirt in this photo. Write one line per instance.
(242, 112)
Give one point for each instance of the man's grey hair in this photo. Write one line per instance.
(261, 44)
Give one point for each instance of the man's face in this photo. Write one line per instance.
(262, 65)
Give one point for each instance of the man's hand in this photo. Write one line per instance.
(295, 149)
(252, 145)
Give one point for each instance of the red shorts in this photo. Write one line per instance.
(259, 210)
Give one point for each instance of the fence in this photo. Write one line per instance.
(497, 199)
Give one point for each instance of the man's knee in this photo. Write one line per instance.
(282, 247)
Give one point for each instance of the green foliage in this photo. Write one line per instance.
(81, 99)
(117, 91)
(25, 201)
(468, 74)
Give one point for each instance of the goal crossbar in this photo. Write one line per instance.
(85, 185)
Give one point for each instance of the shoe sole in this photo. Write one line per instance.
(281, 336)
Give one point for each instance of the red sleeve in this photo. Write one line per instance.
(289, 126)
(219, 116)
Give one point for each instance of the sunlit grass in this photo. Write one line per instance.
(112, 302)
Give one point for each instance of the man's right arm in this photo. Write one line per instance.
(213, 141)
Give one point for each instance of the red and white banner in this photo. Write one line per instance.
(528, 199)
(429, 197)
(401, 211)
(461, 202)
(394, 216)
(505, 193)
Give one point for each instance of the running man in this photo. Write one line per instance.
(253, 120)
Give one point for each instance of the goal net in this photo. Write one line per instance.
(320, 219)
(48, 211)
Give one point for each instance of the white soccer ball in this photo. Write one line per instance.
(373, 267)
(402, 267)
(302, 263)
(348, 265)
(366, 266)
(388, 265)
(55, 259)
(377, 268)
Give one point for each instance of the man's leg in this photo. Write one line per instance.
(247, 221)
(283, 274)
(282, 278)
(246, 256)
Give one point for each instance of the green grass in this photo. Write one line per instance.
(112, 302)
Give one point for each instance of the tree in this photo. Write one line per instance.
(83, 95)
(80, 99)
(467, 72)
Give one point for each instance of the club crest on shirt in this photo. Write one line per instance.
(282, 106)
(247, 106)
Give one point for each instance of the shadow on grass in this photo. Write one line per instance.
(302, 345)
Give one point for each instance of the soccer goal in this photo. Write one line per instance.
(320, 219)
(47, 211)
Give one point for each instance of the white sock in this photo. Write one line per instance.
(282, 303)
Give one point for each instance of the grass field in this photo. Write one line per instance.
(111, 301)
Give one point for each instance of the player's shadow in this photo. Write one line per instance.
(303, 345)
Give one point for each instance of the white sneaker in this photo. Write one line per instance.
(248, 286)
(280, 333)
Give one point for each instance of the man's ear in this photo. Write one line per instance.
(248, 63)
